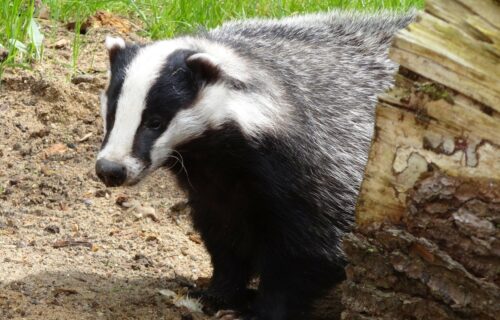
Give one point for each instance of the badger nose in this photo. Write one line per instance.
(111, 173)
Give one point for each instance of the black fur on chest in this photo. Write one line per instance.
(255, 207)
(260, 193)
(218, 171)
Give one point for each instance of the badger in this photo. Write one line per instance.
(266, 124)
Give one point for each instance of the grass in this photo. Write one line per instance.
(15, 28)
(160, 18)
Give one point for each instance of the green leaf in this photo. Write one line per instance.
(36, 37)
(19, 45)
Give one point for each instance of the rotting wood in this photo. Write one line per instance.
(440, 262)
(427, 244)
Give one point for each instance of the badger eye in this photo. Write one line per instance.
(154, 124)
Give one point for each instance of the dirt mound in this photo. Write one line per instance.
(69, 249)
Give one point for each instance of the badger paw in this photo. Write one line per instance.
(210, 303)
(227, 315)
(233, 315)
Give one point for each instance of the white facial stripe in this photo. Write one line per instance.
(217, 104)
(139, 77)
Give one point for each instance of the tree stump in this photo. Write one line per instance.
(427, 243)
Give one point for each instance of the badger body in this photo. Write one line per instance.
(267, 125)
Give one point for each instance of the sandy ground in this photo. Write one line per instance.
(69, 247)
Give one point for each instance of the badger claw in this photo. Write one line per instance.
(227, 315)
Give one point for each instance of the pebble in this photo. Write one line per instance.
(52, 229)
(59, 44)
(3, 54)
(88, 202)
(102, 193)
(21, 244)
(40, 133)
(141, 259)
(179, 206)
(152, 238)
(82, 78)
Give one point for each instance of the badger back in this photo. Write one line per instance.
(329, 69)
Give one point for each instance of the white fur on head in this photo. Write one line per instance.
(113, 43)
(216, 104)
(140, 76)
(205, 58)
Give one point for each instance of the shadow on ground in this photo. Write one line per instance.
(75, 295)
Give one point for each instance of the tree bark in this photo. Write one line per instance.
(427, 245)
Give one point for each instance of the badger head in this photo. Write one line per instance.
(169, 92)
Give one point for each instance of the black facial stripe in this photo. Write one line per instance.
(176, 88)
(121, 59)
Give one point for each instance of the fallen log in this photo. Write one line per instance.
(427, 243)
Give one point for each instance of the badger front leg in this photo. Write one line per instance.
(231, 262)
(228, 286)
(289, 286)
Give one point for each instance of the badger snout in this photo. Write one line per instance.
(111, 173)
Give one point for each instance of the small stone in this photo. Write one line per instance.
(179, 206)
(71, 145)
(88, 202)
(102, 193)
(61, 43)
(40, 133)
(3, 54)
(21, 244)
(25, 151)
(143, 260)
(17, 146)
(52, 229)
(152, 238)
(82, 78)
(21, 127)
(46, 171)
(121, 199)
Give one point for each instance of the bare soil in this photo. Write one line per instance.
(69, 247)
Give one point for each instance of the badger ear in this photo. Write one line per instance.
(114, 45)
(205, 66)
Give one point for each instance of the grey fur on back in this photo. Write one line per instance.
(328, 69)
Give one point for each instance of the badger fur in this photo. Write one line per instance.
(266, 124)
